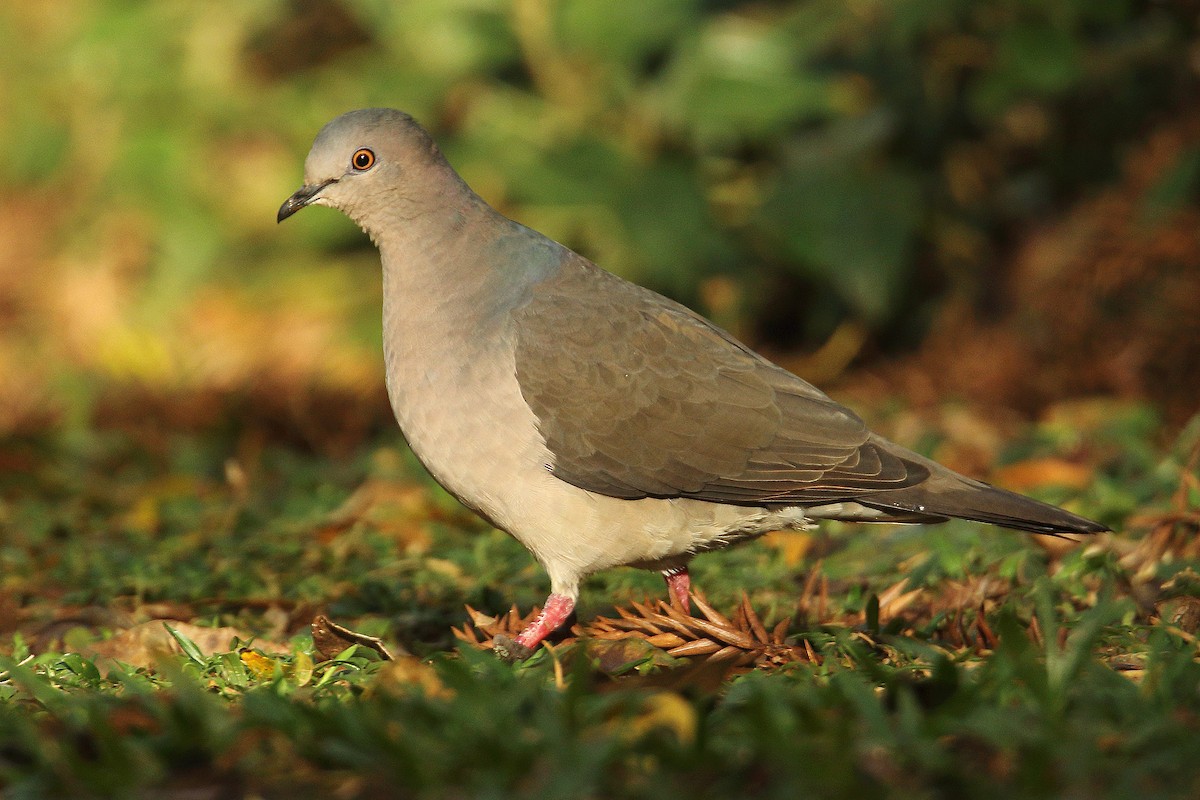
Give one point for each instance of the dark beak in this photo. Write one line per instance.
(300, 199)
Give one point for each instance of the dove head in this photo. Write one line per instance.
(373, 164)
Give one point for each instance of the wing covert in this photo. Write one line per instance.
(637, 396)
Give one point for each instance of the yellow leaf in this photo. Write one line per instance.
(260, 666)
(666, 710)
(792, 545)
(302, 668)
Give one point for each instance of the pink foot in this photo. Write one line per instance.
(558, 607)
(679, 583)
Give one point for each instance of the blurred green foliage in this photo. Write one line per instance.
(866, 156)
(1030, 722)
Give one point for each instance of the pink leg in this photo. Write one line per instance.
(679, 583)
(558, 607)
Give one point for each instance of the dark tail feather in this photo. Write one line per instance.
(978, 501)
(945, 493)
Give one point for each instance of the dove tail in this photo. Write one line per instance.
(946, 493)
(985, 503)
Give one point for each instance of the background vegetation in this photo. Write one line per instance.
(979, 223)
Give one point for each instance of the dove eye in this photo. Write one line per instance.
(363, 160)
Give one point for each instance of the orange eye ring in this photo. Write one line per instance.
(362, 160)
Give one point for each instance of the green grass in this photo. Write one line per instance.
(1092, 690)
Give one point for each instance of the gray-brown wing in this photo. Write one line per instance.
(636, 396)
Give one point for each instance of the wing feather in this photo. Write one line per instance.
(636, 396)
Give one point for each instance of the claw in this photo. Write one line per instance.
(509, 649)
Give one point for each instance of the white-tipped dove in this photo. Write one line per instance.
(596, 421)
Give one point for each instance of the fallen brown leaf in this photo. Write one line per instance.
(144, 644)
(742, 640)
(329, 639)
